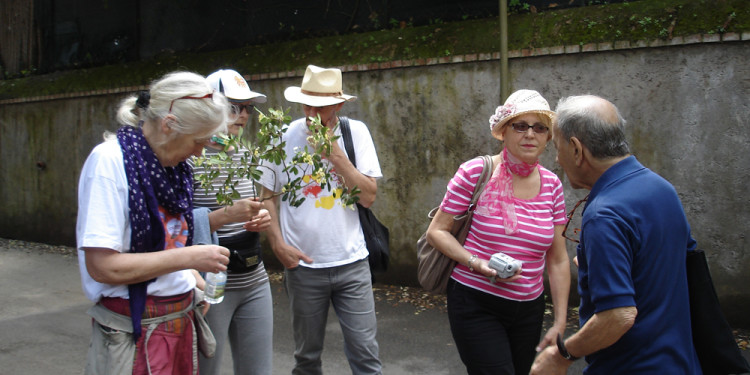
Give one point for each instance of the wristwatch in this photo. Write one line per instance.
(563, 351)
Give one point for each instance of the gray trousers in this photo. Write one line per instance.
(349, 289)
(246, 318)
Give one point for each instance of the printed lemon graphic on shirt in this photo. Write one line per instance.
(329, 201)
(314, 190)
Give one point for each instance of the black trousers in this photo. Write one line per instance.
(494, 335)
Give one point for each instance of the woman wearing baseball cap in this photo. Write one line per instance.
(246, 314)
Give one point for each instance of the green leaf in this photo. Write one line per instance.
(269, 148)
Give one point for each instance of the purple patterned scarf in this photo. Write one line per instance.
(149, 186)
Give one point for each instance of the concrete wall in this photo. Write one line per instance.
(686, 108)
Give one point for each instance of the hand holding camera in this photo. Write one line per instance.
(505, 265)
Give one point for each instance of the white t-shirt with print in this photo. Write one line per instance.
(321, 227)
(103, 222)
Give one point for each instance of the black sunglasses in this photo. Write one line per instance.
(237, 108)
(523, 127)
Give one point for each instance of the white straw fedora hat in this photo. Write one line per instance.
(519, 103)
(320, 87)
(233, 86)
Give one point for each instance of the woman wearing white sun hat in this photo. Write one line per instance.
(246, 314)
(521, 212)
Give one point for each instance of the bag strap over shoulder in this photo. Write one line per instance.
(346, 133)
(482, 181)
(478, 188)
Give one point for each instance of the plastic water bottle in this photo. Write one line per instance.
(215, 285)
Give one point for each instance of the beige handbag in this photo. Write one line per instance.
(204, 336)
(434, 268)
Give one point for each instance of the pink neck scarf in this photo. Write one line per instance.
(497, 197)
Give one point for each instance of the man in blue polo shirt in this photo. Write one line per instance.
(634, 312)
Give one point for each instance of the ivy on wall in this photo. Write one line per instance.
(626, 21)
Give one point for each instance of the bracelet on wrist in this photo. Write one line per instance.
(472, 258)
(563, 350)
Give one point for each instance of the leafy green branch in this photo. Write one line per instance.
(308, 164)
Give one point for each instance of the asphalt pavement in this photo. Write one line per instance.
(44, 328)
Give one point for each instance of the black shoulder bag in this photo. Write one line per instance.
(712, 336)
(376, 234)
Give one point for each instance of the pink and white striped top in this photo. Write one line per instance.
(537, 218)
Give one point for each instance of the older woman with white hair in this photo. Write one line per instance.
(496, 322)
(135, 229)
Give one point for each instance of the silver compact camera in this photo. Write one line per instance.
(505, 265)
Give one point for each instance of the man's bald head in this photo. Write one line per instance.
(596, 122)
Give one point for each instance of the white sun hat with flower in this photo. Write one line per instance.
(519, 103)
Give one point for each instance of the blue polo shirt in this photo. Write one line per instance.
(634, 239)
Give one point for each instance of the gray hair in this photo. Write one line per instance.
(601, 132)
(193, 115)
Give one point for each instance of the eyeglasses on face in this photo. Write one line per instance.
(576, 231)
(237, 108)
(207, 96)
(523, 127)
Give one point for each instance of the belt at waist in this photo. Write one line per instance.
(157, 306)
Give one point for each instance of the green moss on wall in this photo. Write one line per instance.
(632, 21)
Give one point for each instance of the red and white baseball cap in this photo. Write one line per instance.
(233, 86)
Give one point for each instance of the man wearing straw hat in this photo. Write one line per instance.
(320, 243)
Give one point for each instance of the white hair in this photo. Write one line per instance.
(179, 94)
